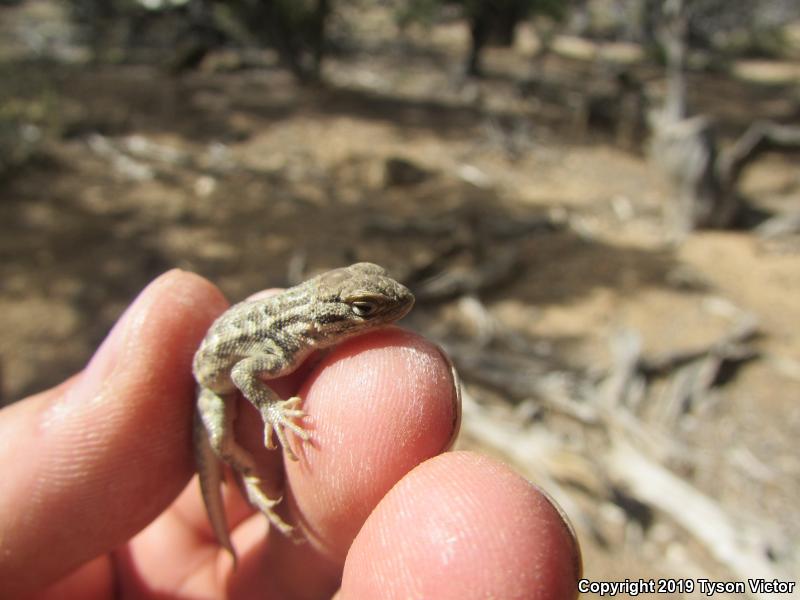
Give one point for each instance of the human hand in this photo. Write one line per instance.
(93, 471)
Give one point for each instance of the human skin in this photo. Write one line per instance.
(99, 501)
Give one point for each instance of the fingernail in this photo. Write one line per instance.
(456, 381)
(573, 536)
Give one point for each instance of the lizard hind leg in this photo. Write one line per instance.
(265, 504)
(217, 414)
(214, 439)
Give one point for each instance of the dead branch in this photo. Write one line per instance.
(759, 137)
(626, 348)
(779, 226)
(633, 455)
(687, 151)
(516, 376)
(488, 274)
(740, 546)
(730, 346)
(704, 177)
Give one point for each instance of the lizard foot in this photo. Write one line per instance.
(262, 502)
(279, 416)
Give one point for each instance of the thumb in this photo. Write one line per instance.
(91, 462)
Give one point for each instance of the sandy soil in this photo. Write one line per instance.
(236, 174)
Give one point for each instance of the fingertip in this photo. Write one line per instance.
(378, 406)
(463, 526)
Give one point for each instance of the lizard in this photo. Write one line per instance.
(265, 338)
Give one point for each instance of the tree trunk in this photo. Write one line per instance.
(480, 28)
(509, 15)
(318, 37)
(686, 148)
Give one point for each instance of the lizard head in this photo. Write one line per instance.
(356, 299)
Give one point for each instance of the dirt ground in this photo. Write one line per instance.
(242, 175)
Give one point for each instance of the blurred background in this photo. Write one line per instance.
(596, 202)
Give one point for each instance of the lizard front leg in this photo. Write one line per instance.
(277, 414)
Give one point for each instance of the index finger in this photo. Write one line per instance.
(378, 405)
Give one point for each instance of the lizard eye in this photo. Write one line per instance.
(363, 309)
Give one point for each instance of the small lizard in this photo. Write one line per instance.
(267, 338)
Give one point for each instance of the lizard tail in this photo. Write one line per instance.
(209, 471)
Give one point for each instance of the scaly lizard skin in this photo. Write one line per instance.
(267, 338)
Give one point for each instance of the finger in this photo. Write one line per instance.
(92, 580)
(90, 463)
(378, 405)
(463, 526)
